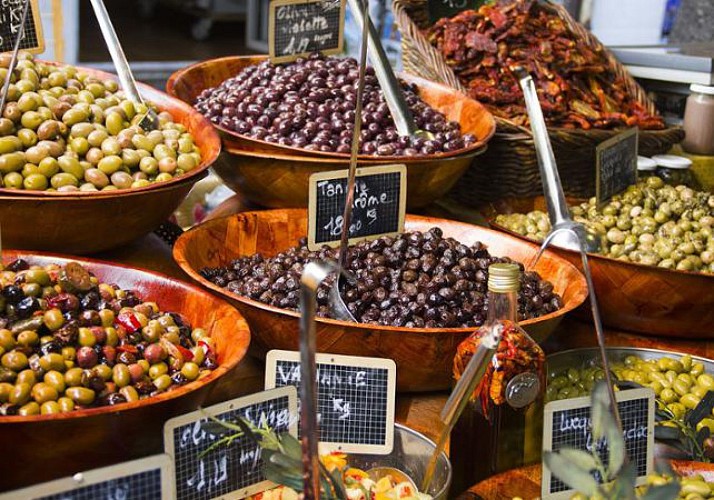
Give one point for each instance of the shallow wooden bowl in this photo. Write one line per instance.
(87, 222)
(424, 356)
(188, 83)
(63, 444)
(643, 299)
(280, 181)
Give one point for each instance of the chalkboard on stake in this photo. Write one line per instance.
(145, 478)
(616, 165)
(566, 423)
(10, 20)
(236, 469)
(355, 398)
(378, 207)
(297, 28)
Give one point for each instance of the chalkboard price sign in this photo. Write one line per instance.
(145, 478)
(297, 28)
(235, 469)
(449, 8)
(355, 398)
(378, 206)
(10, 23)
(616, 161)
(566, 423)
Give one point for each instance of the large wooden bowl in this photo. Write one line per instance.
(644, 299)
(189, 82)
(63, 444)
(424, 356)
(87, 222)
(281, 181)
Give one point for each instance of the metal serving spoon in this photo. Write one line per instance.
(391, 88)
(568, 233)
(150, 120)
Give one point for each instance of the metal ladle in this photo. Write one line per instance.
(150, 120)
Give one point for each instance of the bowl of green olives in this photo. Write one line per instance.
(96, 356)
(75, 165)
(655, 274)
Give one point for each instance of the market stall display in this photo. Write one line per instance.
(93, 435)
(647, 291)
(136, 210)
(423, 355)
(509, 167)
(277, 175)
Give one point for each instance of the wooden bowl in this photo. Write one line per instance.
(188, 83)
(86, 439)
(281, 181)
(644, 299)
(424, 356)
(87, 222)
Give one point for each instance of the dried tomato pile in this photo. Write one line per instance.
(575, 86)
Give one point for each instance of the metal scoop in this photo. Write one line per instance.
(553, 189)
(150, 120)
(13, 59)
(391, 88)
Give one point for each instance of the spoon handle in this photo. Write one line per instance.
(553, 188)
(13, 59)
(115, 50)
(391, 88)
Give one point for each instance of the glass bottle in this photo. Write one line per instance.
(499, 429)
(676, 170)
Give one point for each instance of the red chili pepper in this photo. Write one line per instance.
(129, 321)
(187, 354)
(128, 348)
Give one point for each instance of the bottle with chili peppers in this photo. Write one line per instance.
(493, 432)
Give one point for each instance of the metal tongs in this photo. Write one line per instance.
(150, 120)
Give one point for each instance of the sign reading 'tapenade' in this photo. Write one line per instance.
(297, 28)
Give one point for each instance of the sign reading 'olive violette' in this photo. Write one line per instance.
(11, 21)
(297, 28)
(378, 205)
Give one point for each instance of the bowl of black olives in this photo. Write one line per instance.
(301, 115)
(418, 294)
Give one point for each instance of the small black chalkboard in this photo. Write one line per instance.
(10, 21)
(449, 8)
(378, 207)
(616, 164)
(355, 398)
(145, 478)
(297, 28)
(566, 423)
(235, 469)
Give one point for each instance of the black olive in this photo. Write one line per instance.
(13, 294)
(18, 265)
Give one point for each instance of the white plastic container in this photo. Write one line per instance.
(628, 22)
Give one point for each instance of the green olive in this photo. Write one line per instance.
(80, 395)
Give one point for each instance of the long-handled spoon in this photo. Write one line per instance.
(150, 120)
(13, 59)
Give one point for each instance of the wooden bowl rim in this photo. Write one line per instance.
(300, 153)
(213, 139)
(241, 328)
(611, 260)
(576, 300)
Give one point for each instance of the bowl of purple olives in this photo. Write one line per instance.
(96, 356)
(281, 123)
(418, 294)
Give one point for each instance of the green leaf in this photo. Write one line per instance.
(600, 408)
(624, 484)
(663, 492)
(579, 458)
(279, 475)
(291, 446)
(615, 445)
(286, 461)
(578, 479)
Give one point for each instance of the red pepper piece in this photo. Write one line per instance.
(187, 354)
(129, 321)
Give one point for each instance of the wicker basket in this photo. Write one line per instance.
(509, 167)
